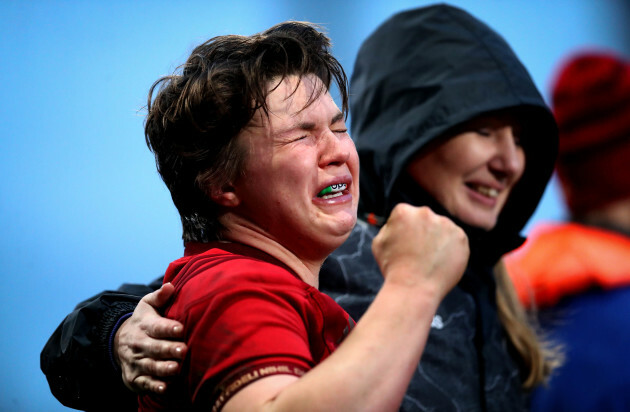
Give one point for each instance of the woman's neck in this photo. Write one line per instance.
(242, 231)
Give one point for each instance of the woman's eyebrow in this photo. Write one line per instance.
(337, 117)
(306, 125)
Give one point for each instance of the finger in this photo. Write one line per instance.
(162, 349)
(164, 328)
(161, 296)
(157, 369)
(144, 384)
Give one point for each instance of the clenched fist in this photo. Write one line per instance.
(418, 248)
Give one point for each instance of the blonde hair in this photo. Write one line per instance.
(539, 355)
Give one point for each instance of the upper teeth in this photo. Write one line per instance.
(338, 187)
(487, 191)
(333, 190)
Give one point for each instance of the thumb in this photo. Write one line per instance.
(161, 296)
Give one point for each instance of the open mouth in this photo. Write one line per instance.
(333, 191)
(484, 190)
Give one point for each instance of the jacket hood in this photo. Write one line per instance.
(420, 74)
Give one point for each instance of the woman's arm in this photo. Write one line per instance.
(78, 360)
(422, 256)
(147, 346)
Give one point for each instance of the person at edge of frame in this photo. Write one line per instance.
(576, 274)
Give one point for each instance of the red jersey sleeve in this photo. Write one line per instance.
(246, 319)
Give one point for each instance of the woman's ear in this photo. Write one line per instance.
(225, 196)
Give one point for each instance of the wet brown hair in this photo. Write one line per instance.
(195, 114)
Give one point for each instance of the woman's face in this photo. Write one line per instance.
(293, 155)
(472, 173)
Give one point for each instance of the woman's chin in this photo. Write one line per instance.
(347, 223)
(486, 223)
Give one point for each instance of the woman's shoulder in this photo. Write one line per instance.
(232, 269)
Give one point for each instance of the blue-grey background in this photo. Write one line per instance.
(82, 208)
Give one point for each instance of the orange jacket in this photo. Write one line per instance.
(563, 259)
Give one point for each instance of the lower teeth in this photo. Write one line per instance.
(330, 196)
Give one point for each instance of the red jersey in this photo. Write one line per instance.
(246, 315)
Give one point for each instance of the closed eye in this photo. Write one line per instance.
(337, 124)
(484, 131)
(298, 138)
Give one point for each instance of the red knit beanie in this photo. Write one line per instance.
(591, 103)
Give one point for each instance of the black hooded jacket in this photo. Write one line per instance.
(420, 74)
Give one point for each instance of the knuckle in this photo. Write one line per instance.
(153, 330)
(147, 367)
(159, 348)
(427, 213)
(166, 368)
(136, 346)
(166, 348)
(145, 384)
(150, 297)
(401, 210)
(161, 328)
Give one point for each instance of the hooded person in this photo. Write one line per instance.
(420, 76)
(417, 79)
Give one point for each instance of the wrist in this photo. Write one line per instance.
(110, 322)
(111, 347)
(422, 296)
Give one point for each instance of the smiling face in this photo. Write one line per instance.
(293, 155)
(472, 173)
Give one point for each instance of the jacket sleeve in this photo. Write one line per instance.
(77, 359)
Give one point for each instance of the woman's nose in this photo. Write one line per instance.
(333, 150)
(510, 157)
